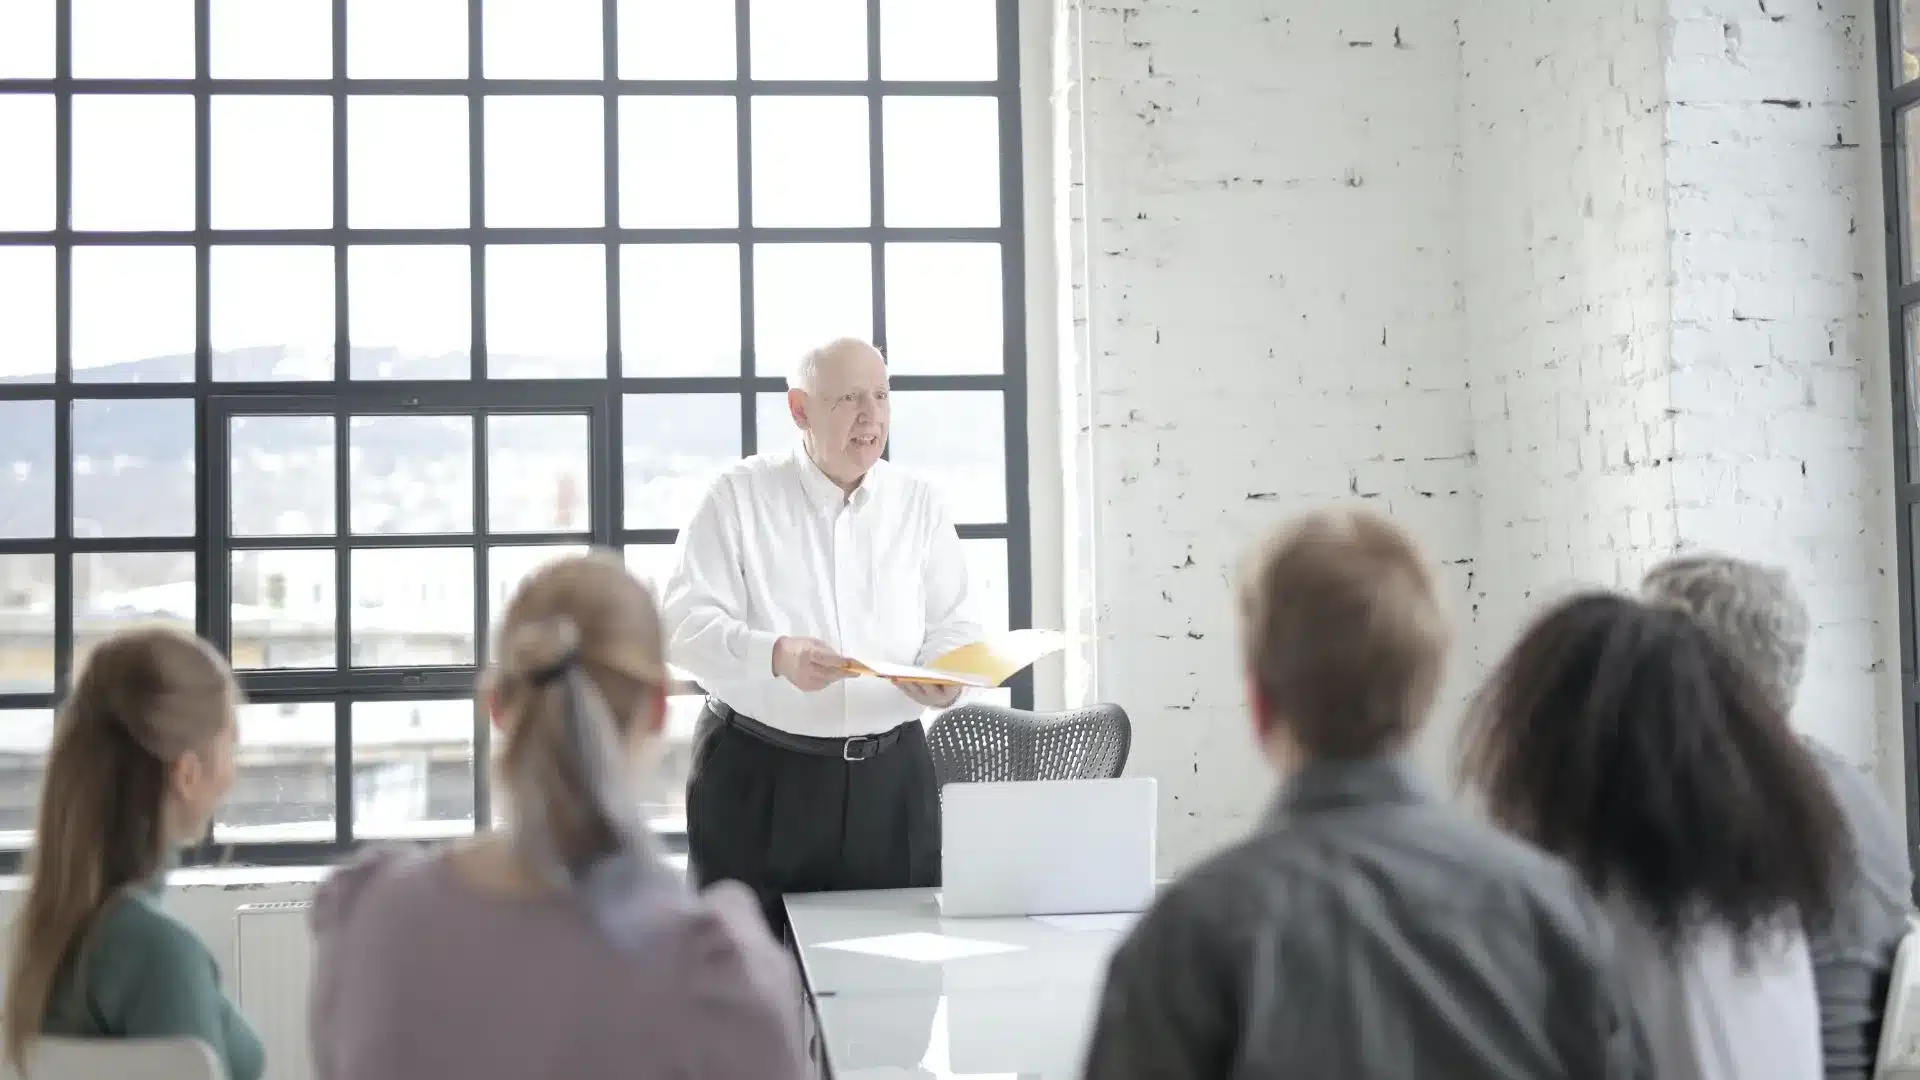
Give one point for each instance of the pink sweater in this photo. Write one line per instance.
(420, 976)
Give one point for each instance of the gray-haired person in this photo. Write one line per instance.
(1759, 617)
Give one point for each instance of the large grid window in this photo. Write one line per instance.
(323, 322)
(1898, 40)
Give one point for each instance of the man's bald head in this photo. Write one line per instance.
(825, 364)
(838, 397)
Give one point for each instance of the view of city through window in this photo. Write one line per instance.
(324, 322)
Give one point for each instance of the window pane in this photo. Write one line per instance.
(282, 471)
(272, 162)
(25, 736)
(26, 469)
(651, 563)
(546, 311)
(412, 769)
(679, 163)
(540, 39)
(114, 591)
(26, 184)
(283, 609)
(1906, 36)
(675, 39)
(679, 309)
(406, 39)
(507, 567)
(132, 161)
(957, 439)
(26, 314)
(538, 478)
(810, 162)
(272, 313)
(410, 474)
(283, 781)
(944, 310)
(805, 295)
(820, 39)
(281, 39)
(675, 444)
(410, 312)
(942, 161)
(775, 431)
(133, 39)
(26, 39)
(664, 795)
(545, 162)
(1909, 163)
(26, 624)
(133, 314)
(412, 607)
(133, 468)
(950, 40)
(987, 583)
(407, 162)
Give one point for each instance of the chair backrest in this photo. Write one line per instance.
(1899, 1053)
(990, 743)
(54, 1058)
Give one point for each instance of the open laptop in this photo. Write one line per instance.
(1048, 847)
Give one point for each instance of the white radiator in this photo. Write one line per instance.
(274, 949)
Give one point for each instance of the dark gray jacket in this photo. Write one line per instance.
(1368, 930)
(1853, 952)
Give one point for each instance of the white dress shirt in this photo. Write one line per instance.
(777, 549)
(1711, 1012)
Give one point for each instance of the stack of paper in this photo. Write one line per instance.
(983, 664)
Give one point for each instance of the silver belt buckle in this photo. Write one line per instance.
(866, 743)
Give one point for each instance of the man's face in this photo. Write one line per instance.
(845, 415)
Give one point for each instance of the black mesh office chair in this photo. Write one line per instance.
(982, 743)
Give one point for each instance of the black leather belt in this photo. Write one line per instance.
(858, 748)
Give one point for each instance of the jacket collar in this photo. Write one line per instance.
(1339, 784)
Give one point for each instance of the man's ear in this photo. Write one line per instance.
(659, 703)
(494, 712)
(797, 405)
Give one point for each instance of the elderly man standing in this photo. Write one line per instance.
(1757, 616)
(804, 778)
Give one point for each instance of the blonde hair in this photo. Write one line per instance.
(583, 616)
(144, 698)
(1343, 632)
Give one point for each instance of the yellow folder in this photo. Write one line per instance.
(983, 664)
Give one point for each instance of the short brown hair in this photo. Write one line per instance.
(1344, 635)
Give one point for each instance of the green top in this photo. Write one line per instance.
(147, 975)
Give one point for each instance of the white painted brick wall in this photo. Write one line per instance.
(1482, 272)
(1774, 205)
(1566, 270)
(1270, 229)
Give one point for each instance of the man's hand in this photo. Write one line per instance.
(930, 695)
(808, 663)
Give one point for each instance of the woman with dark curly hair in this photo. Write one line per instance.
(1618, 736)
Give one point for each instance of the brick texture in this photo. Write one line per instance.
(1563, 286)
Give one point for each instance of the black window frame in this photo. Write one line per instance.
(1898, 96)
(603, 396)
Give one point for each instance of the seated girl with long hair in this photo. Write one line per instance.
(142, 756)
(1619, 736)
(563, 946)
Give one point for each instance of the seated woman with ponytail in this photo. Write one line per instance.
(563, 946)
(142, 755)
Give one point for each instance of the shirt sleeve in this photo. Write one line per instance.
(154, 979)
(1169, 1011)
(704, 601)
(950, 622)
(744, 995)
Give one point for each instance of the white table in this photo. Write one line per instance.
(902, 992)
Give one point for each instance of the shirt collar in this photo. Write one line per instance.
(1335, 784)
(824, 494)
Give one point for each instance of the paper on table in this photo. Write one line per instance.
(983, 664)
